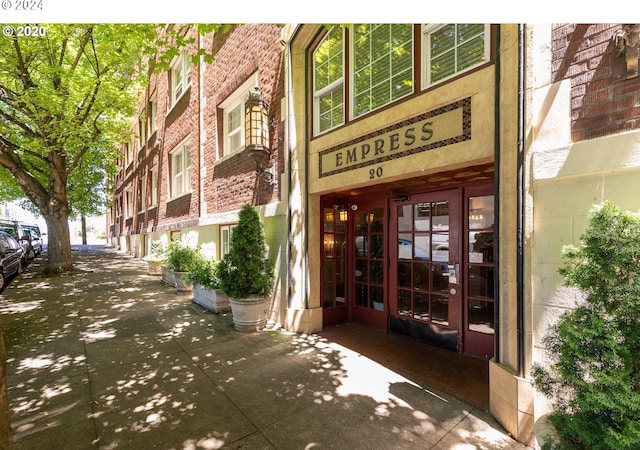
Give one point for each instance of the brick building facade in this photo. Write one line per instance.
(182, 121)
(543, 124)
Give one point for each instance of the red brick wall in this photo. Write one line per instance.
(240, 53)
(601, 104)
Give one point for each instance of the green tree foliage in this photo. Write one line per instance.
(66, 101)
(595, 372)
(245, 270)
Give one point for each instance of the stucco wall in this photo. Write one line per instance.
(567, 176)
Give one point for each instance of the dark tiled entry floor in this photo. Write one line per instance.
(464, 377)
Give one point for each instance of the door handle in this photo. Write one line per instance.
(454, 272)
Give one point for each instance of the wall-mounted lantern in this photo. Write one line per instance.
(627, 45)
(256, 111)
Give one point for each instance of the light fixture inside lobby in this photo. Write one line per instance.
(342, 212)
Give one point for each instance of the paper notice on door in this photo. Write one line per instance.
(475, 257)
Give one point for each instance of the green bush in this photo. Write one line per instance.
(594, 375)
(245, 270)
(203, 272)
(157, 252)
(180, 256)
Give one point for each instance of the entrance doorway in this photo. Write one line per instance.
(355, 263)
(426, 264)
(419, 265)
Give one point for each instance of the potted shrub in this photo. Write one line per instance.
(206, 286)
(594, 350)
(180, 258)
(156, 258)
(246, 274)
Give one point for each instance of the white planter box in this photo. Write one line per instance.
(168, 276)
(212, 299)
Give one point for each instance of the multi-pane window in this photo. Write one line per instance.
(142, 194)
(153, 115)
(154, 186)
(380, 71)
(129, 203)
(142, 130)
(233, 117)
(453, 48)
(181, 169)
(180, 77)
(128, 154)
(225, 238)
(328, 80)
(382, 65)
(234, 129)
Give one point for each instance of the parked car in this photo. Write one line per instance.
(11, 259)
(16, 230)
(36, 237)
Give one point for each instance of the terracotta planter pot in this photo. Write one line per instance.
(249, 314)
(212, 299)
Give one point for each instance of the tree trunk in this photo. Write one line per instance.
(84, 230)
(5, 419)
(59, 243)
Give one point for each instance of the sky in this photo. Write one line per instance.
(280, 11)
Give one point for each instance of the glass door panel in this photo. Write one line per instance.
(334, 290)
(426, 230)
(479, 298)
(370, 264)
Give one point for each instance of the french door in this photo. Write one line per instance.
(425, 284)
(355, 263)
(419, 265)
(370, 305)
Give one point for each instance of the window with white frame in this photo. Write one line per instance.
(233, 117)
(142, 130)
(453, 48)
(381, 65)
(153, 114)
(328, 80)
(181, 169)
(180, 76)
(129, 203)
(225, 239)
(380, 71)
(128, 153)
(234, 128)
(142, 193)
(154, 186)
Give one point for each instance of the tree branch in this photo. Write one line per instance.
(27, 82)
(32, 133)
(29, 184)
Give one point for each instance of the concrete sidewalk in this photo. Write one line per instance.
(112, 358)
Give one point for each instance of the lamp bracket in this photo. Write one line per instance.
(269, 174)
(627, 45)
